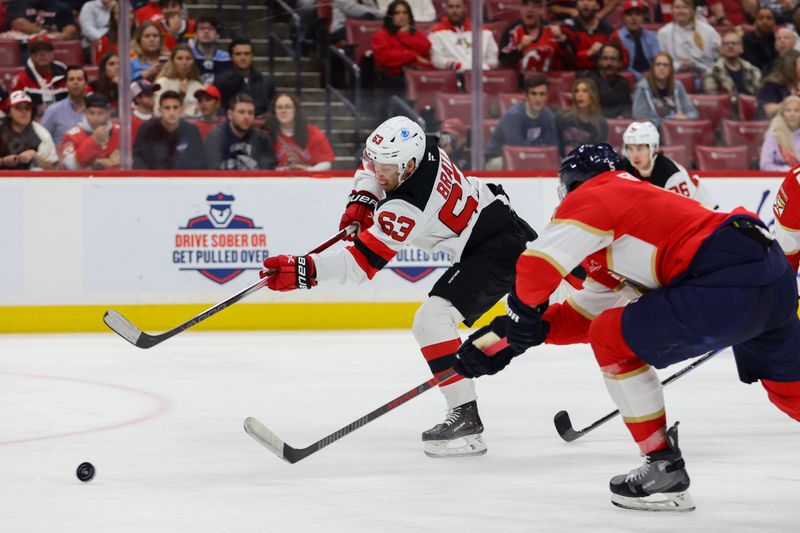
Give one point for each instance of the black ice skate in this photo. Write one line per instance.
(458, 436)
(660, 484)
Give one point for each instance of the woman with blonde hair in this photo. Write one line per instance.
(583, 121)
(149, 52)
(781, 148)
(692, 42)
(180, 74)
(658, 96)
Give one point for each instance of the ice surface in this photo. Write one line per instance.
(163, 427)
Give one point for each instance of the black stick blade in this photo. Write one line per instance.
(564, 426)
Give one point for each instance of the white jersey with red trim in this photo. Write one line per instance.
(435, 209)
(669, 174)
(787, 216)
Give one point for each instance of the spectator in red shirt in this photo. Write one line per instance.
(398, 45)
(530, 45)
(588, 34)
(149, 11)
(298, 144)
(44, 79)
(94, 142)
(174, 27)
(209, 102)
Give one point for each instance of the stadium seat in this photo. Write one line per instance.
(489, 126)
(324, 13)
(457, 105)
(92, 72)
(9, 54)
(564, 99)
(677, 152)
(505, 10)
(506, 100)
(722, 158)
(616, 127)
(687, 79)
(747, 107)
(7, 75)
(559, 81)
(631, 77)
(422, 86)
(68, 52)
(359, 35)
(531, 157)
(497, 29)
(714, 107)
(687, 132)
(425, 27)
(749, 133)
(494, 81)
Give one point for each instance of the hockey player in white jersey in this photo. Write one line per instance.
(640, 144)
(415, 195)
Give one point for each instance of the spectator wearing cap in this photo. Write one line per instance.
(34, 17)
(144, 101)
(25, 144)
(453, 140)
(451, 41)
(613, 90)
(65, 114)
(169, 142)
(107, 81)
(174, 27)
(530, 44)
(44, 78)
(298, 144)
(235, 144)
(759, 44)
(730, 74)
(94, 142)
(180, 74)
(209, 102)
(640, 44)
(244, 78)
(211, 61)
(95, 17)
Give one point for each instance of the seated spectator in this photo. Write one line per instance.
(210, 60)
(781, 10)
(691, 42)
(67, 113)
(209, 102)
(641, 45)
(149, 51)
(528, 123)
(587, 34)
(25, 144)
(95, 18)
(658, 96)
(759, 44)
(785, 41)
(729, 13)
(174, 27)
(614, 90)
(34, 17)
(169, 142)
(583, 121)
(777, 85)
(44, 79)
(730, 74)
(235, 145)
(244, 78)
(107, 81)
(143, 95)
(352, 9)
(453, 140)
(180, 74)
(298, 145)
(109, 42)
(781, 148)
(530, 45)
(398, 45)
(451, 41)
(94, 143)
(423, 9)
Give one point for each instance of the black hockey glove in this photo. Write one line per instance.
(473, 362)
(525, 327)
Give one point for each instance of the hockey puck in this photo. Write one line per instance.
(85, 472)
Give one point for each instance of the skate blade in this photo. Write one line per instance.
(661, 501)
(468, 446)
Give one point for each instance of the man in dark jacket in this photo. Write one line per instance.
(169, 142)
(235, 144)
(614, 90)
(244, 78)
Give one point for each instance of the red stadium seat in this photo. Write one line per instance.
(505, 10)
(652, 26)
(9, 54)
(722, 158)
(7, 75)
(325, 13)
(506, 100)
(497, 29)
(747, 107)
(422, 86)
(68, 52)
(631, 77)
(425, 27)
(687, 79)
(678, 153)
(92, 72)
(494, 81)
(616, 127)
(687, 132)
(564, 99)
(457, 105)
(531, 157)
(749, 133)
(489, 126)
(714, 107)
(559, 81)
(359, 34)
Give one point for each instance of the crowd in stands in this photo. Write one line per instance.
(557, 74)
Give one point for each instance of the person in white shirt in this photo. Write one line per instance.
(451, 41)
(692, 42)
(423, 9)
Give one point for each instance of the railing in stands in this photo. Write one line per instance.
(293, 51)
(354, 106)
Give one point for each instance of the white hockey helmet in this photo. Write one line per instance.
(641, 133)
(397, 141)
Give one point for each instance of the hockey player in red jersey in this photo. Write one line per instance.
(415, 195)
(787, 216)
(667, 280)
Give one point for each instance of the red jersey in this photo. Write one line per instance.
(151, 11)
(628, 235)
(787, 216)
(542, 54)
(317, 149)
(581, 40)
(394, 51)
(79, 150)
(204, 126)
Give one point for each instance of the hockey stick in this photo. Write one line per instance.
(564, 424)
(128, 331)
(276, 445)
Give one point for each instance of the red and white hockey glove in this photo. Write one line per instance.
(360, 210)
(289, 272)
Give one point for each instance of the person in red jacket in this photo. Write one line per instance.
(587, 35)
(398, 45)
(94, 142)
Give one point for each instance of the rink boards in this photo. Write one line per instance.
(161, 249)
